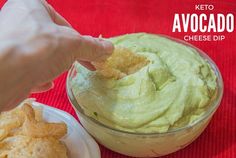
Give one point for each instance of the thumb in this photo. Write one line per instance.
(94, 49)
(72, 46)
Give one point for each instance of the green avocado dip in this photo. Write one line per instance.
(172, 91)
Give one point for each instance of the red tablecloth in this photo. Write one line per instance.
(115, 17)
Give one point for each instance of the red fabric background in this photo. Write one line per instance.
(115, 17)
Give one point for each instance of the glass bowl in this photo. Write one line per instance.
(147, 144)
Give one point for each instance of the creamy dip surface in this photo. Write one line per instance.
(172, 91)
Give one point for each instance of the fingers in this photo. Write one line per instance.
(42, 88)
(25, 10)
(82, 48)
(94, 49)
(55, 16)
(40, 10)
(85, 49)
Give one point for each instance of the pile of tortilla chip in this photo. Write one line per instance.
(24, 134)
(121, 63)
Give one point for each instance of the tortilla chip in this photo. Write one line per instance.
(121, 63)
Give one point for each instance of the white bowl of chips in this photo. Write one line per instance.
(78, 142)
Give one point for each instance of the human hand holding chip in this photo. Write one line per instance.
(37, 45)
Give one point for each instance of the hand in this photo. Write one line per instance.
(37, 44)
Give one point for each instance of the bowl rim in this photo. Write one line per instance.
(214, 104)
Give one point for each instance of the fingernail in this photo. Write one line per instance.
(108, 46)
